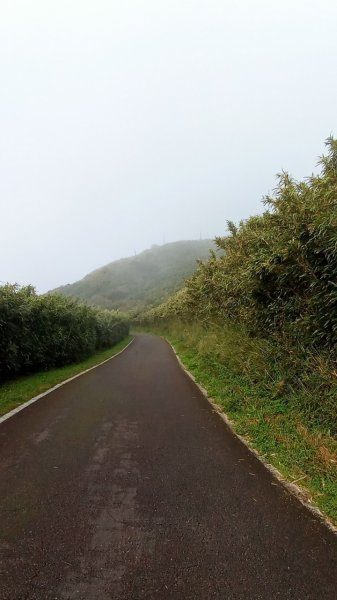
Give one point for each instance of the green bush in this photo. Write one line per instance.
(278, 271)
(275, 284)
(42, 332)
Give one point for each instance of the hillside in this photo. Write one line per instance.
(133, 283)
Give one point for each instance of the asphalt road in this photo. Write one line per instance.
(124, 484)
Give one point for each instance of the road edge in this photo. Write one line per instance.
(292, 488)
(21, 407)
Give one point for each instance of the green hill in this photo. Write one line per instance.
(131, 284)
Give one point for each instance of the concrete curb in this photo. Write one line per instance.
(300, 493)
(58, 385)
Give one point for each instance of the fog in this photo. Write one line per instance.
(126, 124)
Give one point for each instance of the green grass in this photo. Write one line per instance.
(15, 392)
(273, 419)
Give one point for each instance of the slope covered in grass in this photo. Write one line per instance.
(130, 284)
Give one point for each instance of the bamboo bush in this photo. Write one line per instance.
(277, 272)
(275, 280)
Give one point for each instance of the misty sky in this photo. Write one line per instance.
(126, 124)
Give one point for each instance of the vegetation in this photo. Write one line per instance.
(14, 393)
(258, 326)
(278, 270)
(43, 332)
(236, 371)
(131, 284)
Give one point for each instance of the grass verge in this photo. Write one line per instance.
(231, 367)
(18, 391)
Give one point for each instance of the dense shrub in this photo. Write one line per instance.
(278, 271)
(41, 332)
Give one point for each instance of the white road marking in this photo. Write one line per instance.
(58, 385)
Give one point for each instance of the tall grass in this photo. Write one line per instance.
(288, 415)
(306, 383)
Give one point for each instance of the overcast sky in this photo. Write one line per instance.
(128, 123)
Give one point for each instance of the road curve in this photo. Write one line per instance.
(124, 484)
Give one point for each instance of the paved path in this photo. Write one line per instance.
(125, 485)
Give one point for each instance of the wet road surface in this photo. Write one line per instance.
(124, 484)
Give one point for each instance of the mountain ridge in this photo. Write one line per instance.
(133, 283)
